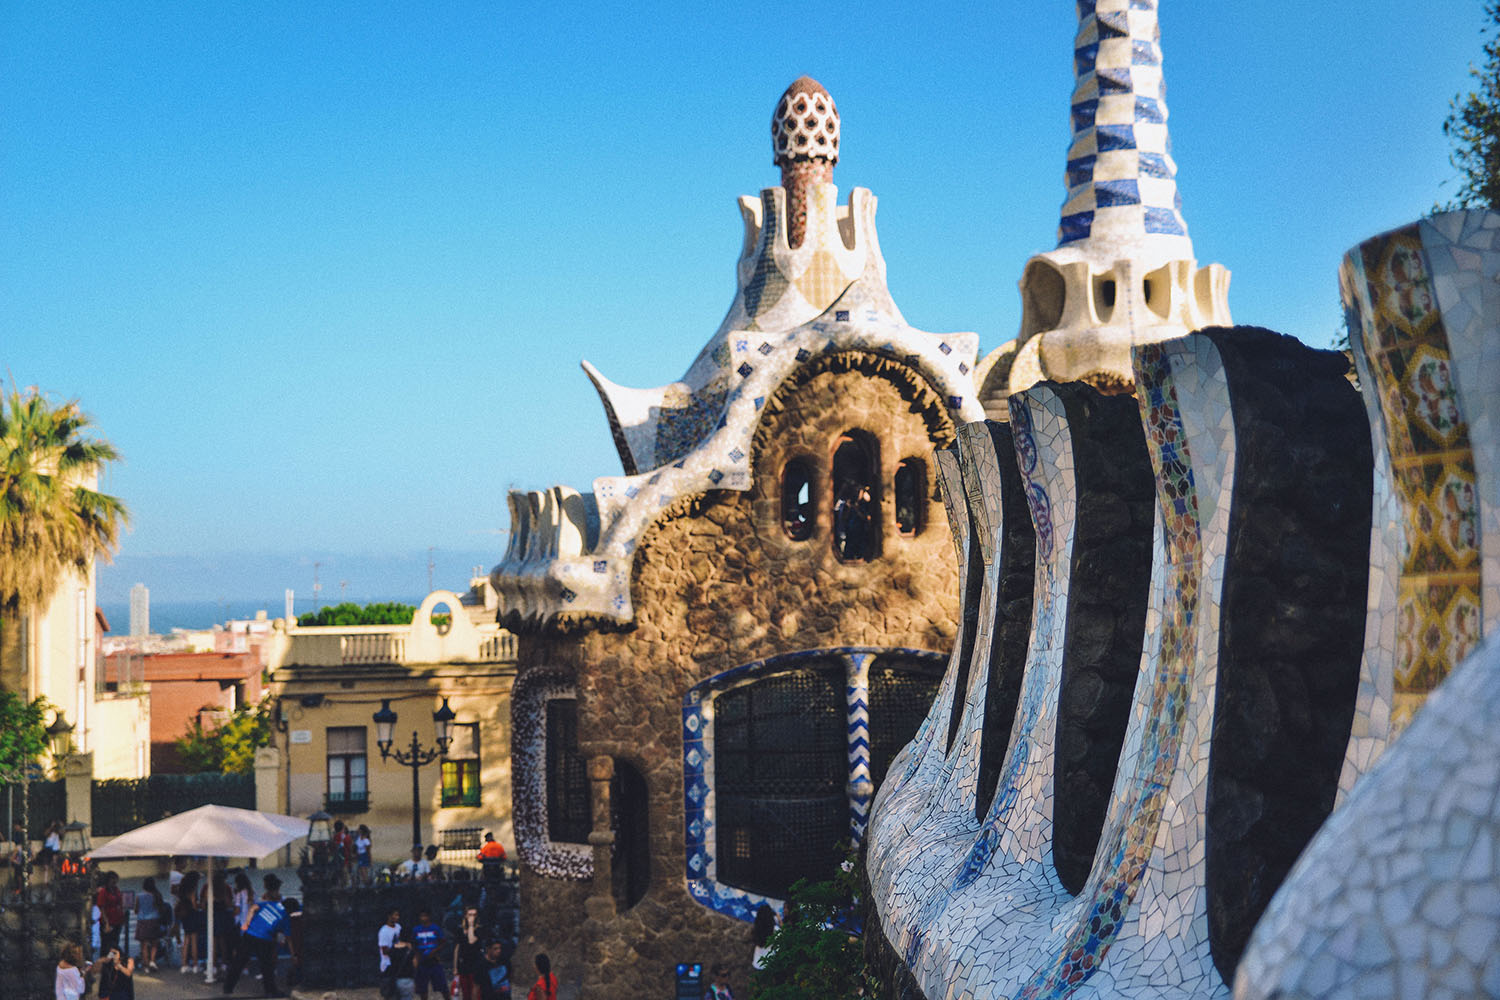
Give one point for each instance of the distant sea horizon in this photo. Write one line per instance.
(167, 615)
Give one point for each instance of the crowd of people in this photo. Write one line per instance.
(248, 927)
(414, 962)
(245, 926)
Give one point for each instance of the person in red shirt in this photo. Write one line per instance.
(492, 857)
(111, 905)
(492, 849)
(343, 850)
(545, 987)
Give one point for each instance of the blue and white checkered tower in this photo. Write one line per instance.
(1123, 272)
(1122, 183)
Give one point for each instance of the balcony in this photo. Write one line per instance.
(452, 638)
(345, 804)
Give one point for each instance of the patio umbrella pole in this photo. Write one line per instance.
(209, 976)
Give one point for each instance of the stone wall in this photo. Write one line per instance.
(718, 583)
(1108, 585)
(34, 932)
(1293, 610)
(1012, 625)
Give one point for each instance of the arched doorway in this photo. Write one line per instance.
(630, 819)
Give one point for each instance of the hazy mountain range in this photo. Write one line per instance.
(263, 577)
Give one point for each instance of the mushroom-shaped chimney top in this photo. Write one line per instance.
(805, 125)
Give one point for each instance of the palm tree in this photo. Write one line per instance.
(50, 517)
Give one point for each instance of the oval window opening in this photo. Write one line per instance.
(856, 502)
(797, 500)
(910, 487)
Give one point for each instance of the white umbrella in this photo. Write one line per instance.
(208, 831)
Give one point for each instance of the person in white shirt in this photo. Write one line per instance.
(69, 983)
(386, 936)
(416, 866)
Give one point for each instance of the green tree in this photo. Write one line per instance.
(23, 740)
(811, 956)
(23, 734)
(1473, 125)
(49, 519)
(348, 613)
(228, 748)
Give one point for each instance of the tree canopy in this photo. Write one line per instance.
(23, 733)
(50, 517)
(228, 748)
(388, 613)
(1473, 125)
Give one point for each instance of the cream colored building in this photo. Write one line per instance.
(330, 682)
(60, 645)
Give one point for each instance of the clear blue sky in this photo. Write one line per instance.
(324, 272)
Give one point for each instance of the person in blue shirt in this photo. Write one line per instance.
(429, 938)
(258, 937)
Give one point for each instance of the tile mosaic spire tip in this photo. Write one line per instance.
(1122, 186)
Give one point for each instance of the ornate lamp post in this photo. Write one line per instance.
(317, 863)
(417, 756)
(75, 839)
(59, 737)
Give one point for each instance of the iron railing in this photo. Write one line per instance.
(339, 923)
(122, 804)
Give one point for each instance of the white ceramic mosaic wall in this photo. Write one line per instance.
(1017, 826)
(1000, 924)
(1399, 893)
(912, 770)
(529, 756)
(935, 829)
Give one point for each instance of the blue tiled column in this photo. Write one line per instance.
(861, 789)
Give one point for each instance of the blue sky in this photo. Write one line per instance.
(324, 273)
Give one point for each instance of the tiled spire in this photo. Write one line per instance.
(805, 143)
(1122, 188)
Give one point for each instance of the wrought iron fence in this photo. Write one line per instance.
(339, 924)
(35, 930)
(49, 803)
(122, 804)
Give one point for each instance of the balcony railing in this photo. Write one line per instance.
(350, 645)
(344, 804)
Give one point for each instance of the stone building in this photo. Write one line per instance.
(720, 651)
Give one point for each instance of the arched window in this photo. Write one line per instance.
(910, 488)
(568, 801)
(856, 497)
(797, 513)
(780, 759)
(780, 763)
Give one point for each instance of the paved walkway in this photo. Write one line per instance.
(173, 985)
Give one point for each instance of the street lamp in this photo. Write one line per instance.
(60, 736)
(417, 756)
(75, 839)
(319, 833)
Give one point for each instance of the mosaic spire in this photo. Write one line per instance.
(805, 140)
(1122, 187)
